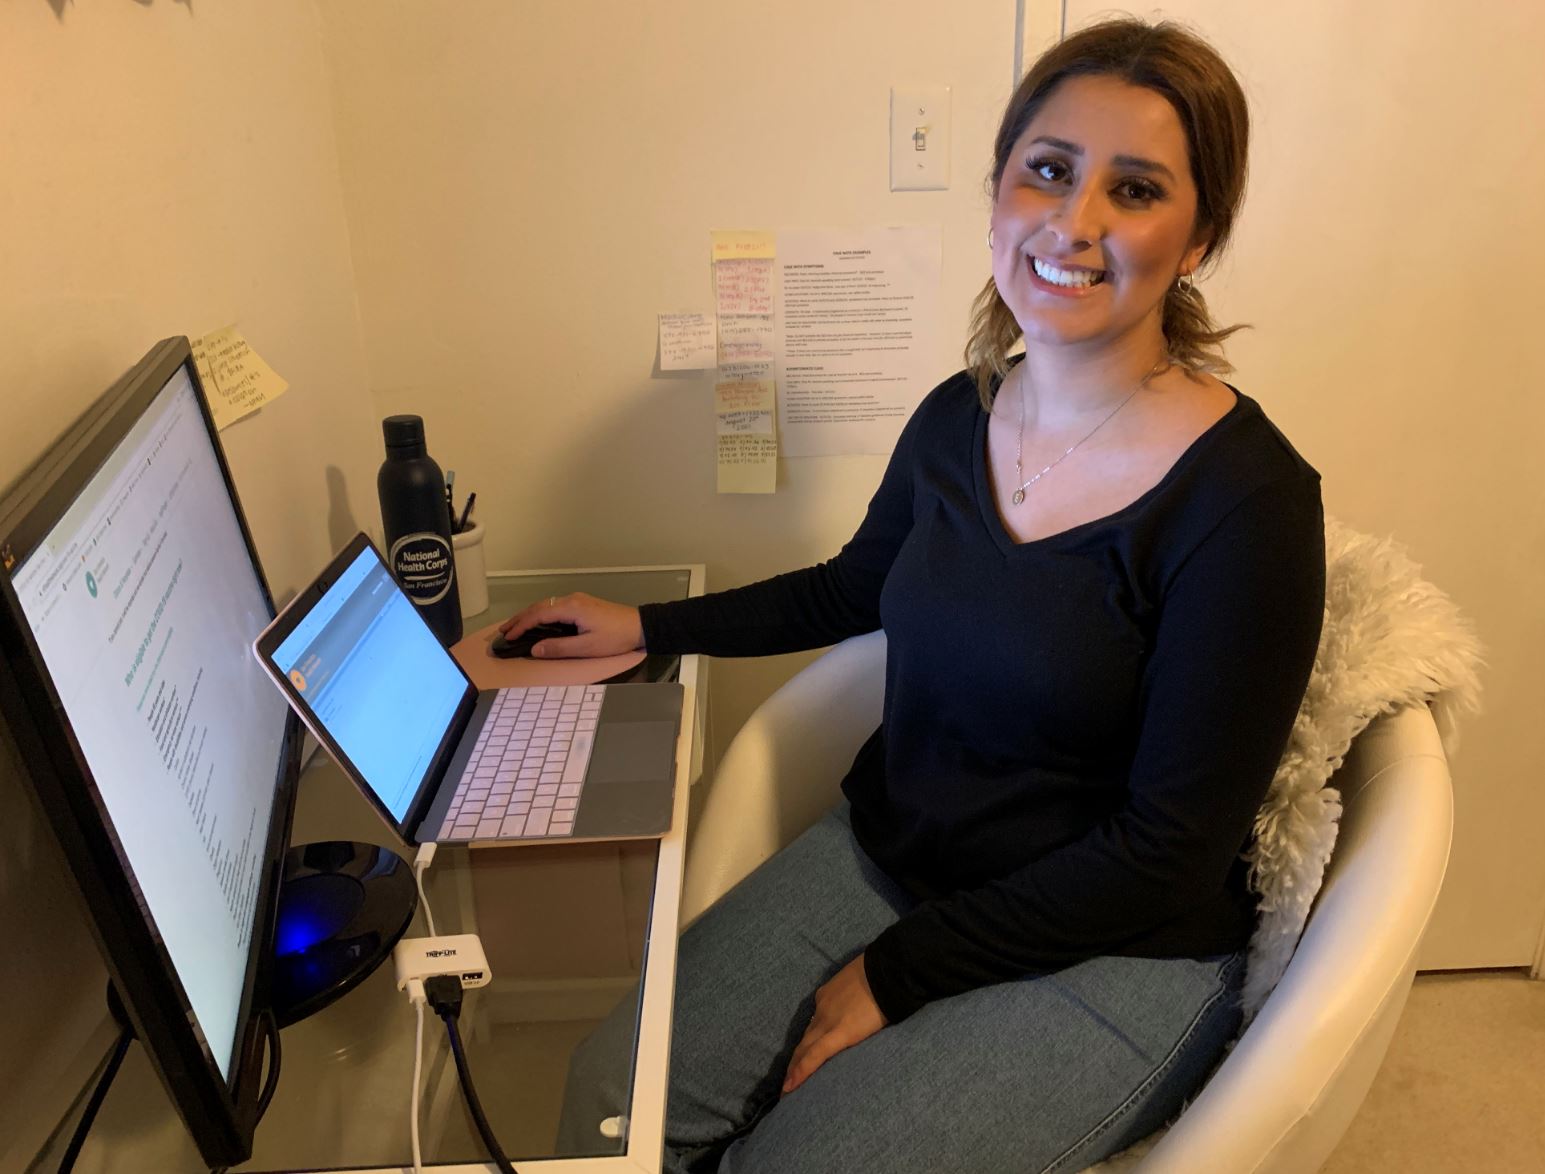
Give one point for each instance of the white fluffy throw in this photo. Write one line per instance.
(1390, 639)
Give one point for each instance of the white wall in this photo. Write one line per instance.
(1389, 258)
(529, 184)
(164, 169)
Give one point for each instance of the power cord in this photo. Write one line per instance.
(271, 1080)
(98, 1095)
(421, 863)
(444, 993)
(115, 1060)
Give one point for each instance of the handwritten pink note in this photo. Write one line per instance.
(744, 286)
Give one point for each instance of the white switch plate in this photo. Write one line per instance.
(920, 138)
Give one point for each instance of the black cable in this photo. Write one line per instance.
(98, 1095)
(271, 1080)
(473, 1107)
(444, 995)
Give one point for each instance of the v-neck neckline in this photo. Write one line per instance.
(987, 505)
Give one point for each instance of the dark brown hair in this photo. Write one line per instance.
(1188, 73)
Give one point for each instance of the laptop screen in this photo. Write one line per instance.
(375, 678)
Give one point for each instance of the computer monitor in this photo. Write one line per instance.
(162, 758)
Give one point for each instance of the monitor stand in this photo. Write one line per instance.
(342, 907)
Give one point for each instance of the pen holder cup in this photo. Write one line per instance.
(471, 570)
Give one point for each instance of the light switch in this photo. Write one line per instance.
(920, 138)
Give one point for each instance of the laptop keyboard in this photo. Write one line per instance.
(528, 766)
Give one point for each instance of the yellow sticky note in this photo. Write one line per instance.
(730, 245)
(748, 464)
(235, 378)
(746, 436)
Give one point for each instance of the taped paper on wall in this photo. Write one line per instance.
(748, 464)
(744, 400)
(235, 378)
(743, 287)
(745, 424)
(687, 342)
(751, 372)
(746, 436)
(746, 338)
(857, 347)
(745, 396)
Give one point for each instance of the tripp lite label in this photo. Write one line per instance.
(423, 566)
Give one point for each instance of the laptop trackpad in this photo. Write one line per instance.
(633, 752)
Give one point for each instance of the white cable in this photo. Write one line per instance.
(416, 994)
(421, 862)
(429, 918)
(415, 987)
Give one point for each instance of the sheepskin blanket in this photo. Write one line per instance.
(1390, 639)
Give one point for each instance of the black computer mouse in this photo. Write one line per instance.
(522, 644)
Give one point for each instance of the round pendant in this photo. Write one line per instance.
(1019, 496)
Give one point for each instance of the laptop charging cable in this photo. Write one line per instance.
(421, 863)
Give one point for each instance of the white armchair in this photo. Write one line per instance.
(1283, 1097)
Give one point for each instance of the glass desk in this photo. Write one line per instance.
(569, 930)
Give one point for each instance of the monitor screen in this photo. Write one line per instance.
(143, 601)
(373, 675)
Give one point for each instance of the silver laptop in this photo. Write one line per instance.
(444, 762)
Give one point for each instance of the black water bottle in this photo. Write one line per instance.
(418, 526)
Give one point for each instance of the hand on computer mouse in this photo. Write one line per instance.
(504, 646)
(602, 628)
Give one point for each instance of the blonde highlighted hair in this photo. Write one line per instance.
(1188, 73)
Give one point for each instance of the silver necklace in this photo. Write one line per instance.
(1019, 450)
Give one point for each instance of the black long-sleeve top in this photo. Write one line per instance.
(1078, 730)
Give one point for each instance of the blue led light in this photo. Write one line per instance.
(300, 929)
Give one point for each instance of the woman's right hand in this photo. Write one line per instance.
(605, 628)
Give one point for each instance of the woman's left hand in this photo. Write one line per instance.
(845, 1014)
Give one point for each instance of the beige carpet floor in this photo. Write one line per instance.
(1463, 1086)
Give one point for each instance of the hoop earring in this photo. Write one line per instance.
(1184, 285)
(989, 240)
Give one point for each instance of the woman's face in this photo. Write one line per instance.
(1095, 214)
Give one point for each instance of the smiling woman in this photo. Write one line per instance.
(1017, 944)
(1192, 127)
